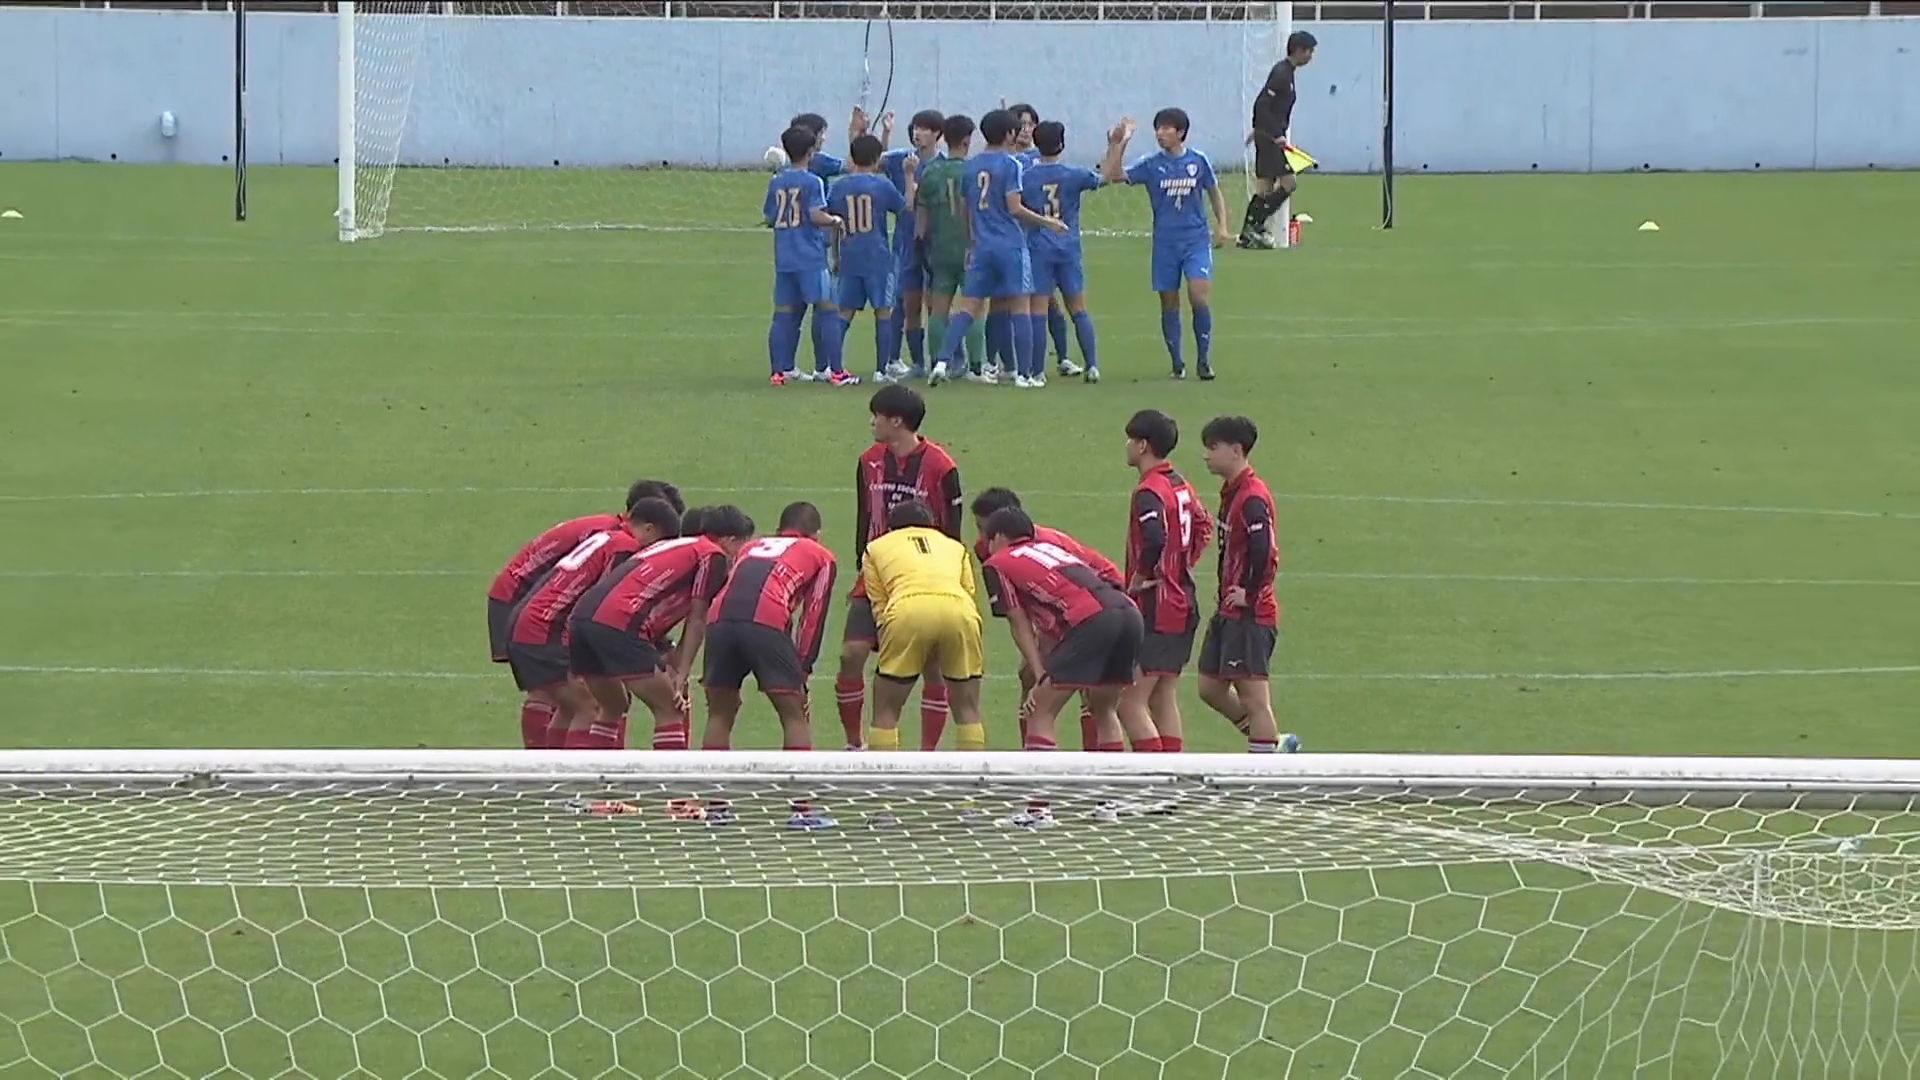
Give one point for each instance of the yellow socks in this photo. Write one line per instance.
(884, 739)
(971, 736)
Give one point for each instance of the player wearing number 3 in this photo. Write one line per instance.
(921, 584)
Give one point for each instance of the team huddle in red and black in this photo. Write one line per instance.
(607, 609)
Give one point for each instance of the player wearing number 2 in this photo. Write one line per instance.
(1180, 183)
(865, 200)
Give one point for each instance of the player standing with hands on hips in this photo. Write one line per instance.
(1272, 116)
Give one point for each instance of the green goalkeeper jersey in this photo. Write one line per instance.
(940, 184)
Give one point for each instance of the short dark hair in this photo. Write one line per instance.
(957, 129)
(993, 500)
(910, 513)
(866, 151)
(655, 489)
(798, 142)
(1159, 431)
(656, 512)
(812, 121)
(929, 120)
(1230, 430)
(902, 403)
(1050, 137)
(801, 517)
(1024, 112)
(727, 521)
(1173, 118)
(1012, 523)
(694, 521)
(998, 126)
(1301, 41)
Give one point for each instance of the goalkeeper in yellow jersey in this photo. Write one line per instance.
(921, 584)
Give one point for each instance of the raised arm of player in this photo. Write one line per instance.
(1112, 169)
(812, 625)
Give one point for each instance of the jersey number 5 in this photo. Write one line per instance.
(1183, 508)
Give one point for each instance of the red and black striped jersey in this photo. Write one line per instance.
(1102, 566)
(1054, 588)
(522, 572)
(884, 480)
(1249, 547)
(656, 589)
(542, 618)
(1167, 529)
(773, 579)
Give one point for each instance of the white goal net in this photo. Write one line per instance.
(656, 115)
(383, 913)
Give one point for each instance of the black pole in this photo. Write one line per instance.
(239, 110)
(1386, 122)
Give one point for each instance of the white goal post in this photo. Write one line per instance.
(452, 913)
(607, 115)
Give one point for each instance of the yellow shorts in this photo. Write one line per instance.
(931, 631)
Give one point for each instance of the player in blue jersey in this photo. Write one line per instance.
(998, 271)
(820, 163)
(1175, 177)
(1053, 189)
(902, 166)
(796, 209)
(1029, 120)
(865, 200)
(1028, 155)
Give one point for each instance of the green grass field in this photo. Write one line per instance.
(1546, 483)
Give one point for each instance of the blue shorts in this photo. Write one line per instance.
(1059, 270)
(1192, 260)
(854, 292)
(801, 288)
(998, 272)
(909, 274)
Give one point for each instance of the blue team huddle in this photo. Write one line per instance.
(864, 242)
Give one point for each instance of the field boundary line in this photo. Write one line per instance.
(366, 674)
(610, 492)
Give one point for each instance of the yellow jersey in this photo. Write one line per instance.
(917, 562)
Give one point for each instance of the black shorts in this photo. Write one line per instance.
(1237, 649)
(1103, 651)
(861, 625)
(499, 628)
(600, 651)
(1270, 159)
(1165, 654)
(735, 649)
(537, 667)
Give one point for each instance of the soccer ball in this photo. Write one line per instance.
(776, 159)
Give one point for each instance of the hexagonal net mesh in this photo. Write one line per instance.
(991, 915)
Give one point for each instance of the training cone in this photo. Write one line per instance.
(13, 214)
(1304, 219)
(1648, 226)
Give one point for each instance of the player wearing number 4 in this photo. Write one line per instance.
(864, 201)
(796, 208)
(1175, 178)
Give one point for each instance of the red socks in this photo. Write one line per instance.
(1089, 731)
(1262, 746)
(1149, 746)
(1170, 744)
(1038, 742)
(534, 718)
(933, 715)
(1109, 747)
(671, 734)
(850, 695)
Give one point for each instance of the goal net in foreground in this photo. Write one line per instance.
(520, 914)
(537, 115)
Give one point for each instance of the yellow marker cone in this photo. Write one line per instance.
(1648, 226)
(13, 214)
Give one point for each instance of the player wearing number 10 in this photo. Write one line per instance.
(796, 208)
(865, 200)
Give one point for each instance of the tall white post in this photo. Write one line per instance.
(1283, 232)
(344, 98)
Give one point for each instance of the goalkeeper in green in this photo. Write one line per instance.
(942, 225)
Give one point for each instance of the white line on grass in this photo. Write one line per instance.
(1294, 575)
(299, 674)
(1296, 496)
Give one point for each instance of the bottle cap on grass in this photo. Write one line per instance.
(13, 214)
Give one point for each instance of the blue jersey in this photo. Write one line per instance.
(1175, 185)
(1027, 158)
(825, 165)
(991, 177)
(893, 165)
(863, 201)
(1054, 190)
(798, 244)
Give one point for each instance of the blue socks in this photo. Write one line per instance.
(783, 341)
(897, 328)
(1083, 329)
(1037, 326)
(1170, 332)
(1057, 329)
(1000, 340)
(830, 334)
(957, 327)
(1203, 335)
(886, 344)
(917, 346)
(1023, 338)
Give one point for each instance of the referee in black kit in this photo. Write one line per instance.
(1272, 115)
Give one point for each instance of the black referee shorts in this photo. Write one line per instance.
(1270, 159)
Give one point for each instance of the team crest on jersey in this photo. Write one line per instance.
(1193, 169)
